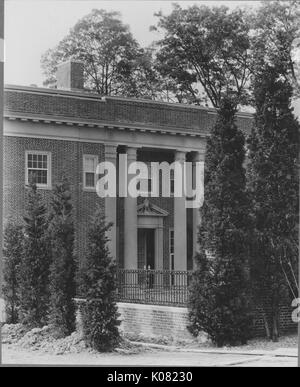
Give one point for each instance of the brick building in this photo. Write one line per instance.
(66, 132)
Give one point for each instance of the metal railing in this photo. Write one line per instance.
(158, 287)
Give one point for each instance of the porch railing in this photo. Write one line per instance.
(159, 287)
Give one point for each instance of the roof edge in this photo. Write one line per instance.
(89, 95)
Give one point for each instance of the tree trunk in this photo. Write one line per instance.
(275, 330)
(275, 337)
(267, 327)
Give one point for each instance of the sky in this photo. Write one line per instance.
(33, 26)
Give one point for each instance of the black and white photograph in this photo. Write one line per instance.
(149, 186)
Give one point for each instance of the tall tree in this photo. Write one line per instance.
(34, 268)
(114, 64)
(273, 160)
(276, 38)
(220, 298)
(205, 51)
(274, 187)
(99, 314)
(62, 272)
(13, 250)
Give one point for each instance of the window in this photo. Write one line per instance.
(38, 168)
(172, 264)
(89, 171)
(172, 182)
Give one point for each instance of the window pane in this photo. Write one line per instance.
(38, 176)
(42, 177)
(89, 179)
(29, 160)
(31, 175)
(89, 164)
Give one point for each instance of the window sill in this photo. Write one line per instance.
(44, 188)
(87, 189)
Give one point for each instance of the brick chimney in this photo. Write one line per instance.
(69, 75)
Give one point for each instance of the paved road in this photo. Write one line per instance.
(11, 355)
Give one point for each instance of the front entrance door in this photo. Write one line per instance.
(150, 248)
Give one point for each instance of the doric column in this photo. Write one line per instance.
(198, 158)
(111, 203)
(180, 225)
(130, 221)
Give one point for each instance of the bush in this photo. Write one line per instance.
(99, 314)
(34, 267)
(13, 248)
(62, 271)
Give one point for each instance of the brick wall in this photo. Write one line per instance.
(88, 106)
(154, 320)
(171, 322)
(67, 160)
(166, 322)
(285, 321)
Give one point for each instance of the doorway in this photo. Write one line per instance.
(150, 248)
(146, 248)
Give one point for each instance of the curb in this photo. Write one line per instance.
(273, 353)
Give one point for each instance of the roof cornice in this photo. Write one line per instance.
(105, 124)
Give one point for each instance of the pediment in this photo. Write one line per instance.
(149, 209)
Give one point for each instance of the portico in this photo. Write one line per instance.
(154, 229)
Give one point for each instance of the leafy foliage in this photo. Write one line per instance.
(13, 249)
(114, 64)
(220, 298)
(205, 52)
(62, 272)
(99, 314)
(34, 268)
(276, 38)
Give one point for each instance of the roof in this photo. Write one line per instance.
(89, 108)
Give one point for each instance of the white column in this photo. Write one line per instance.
(198, 157)
(180, 225)
(111, 204)
(130, 221)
